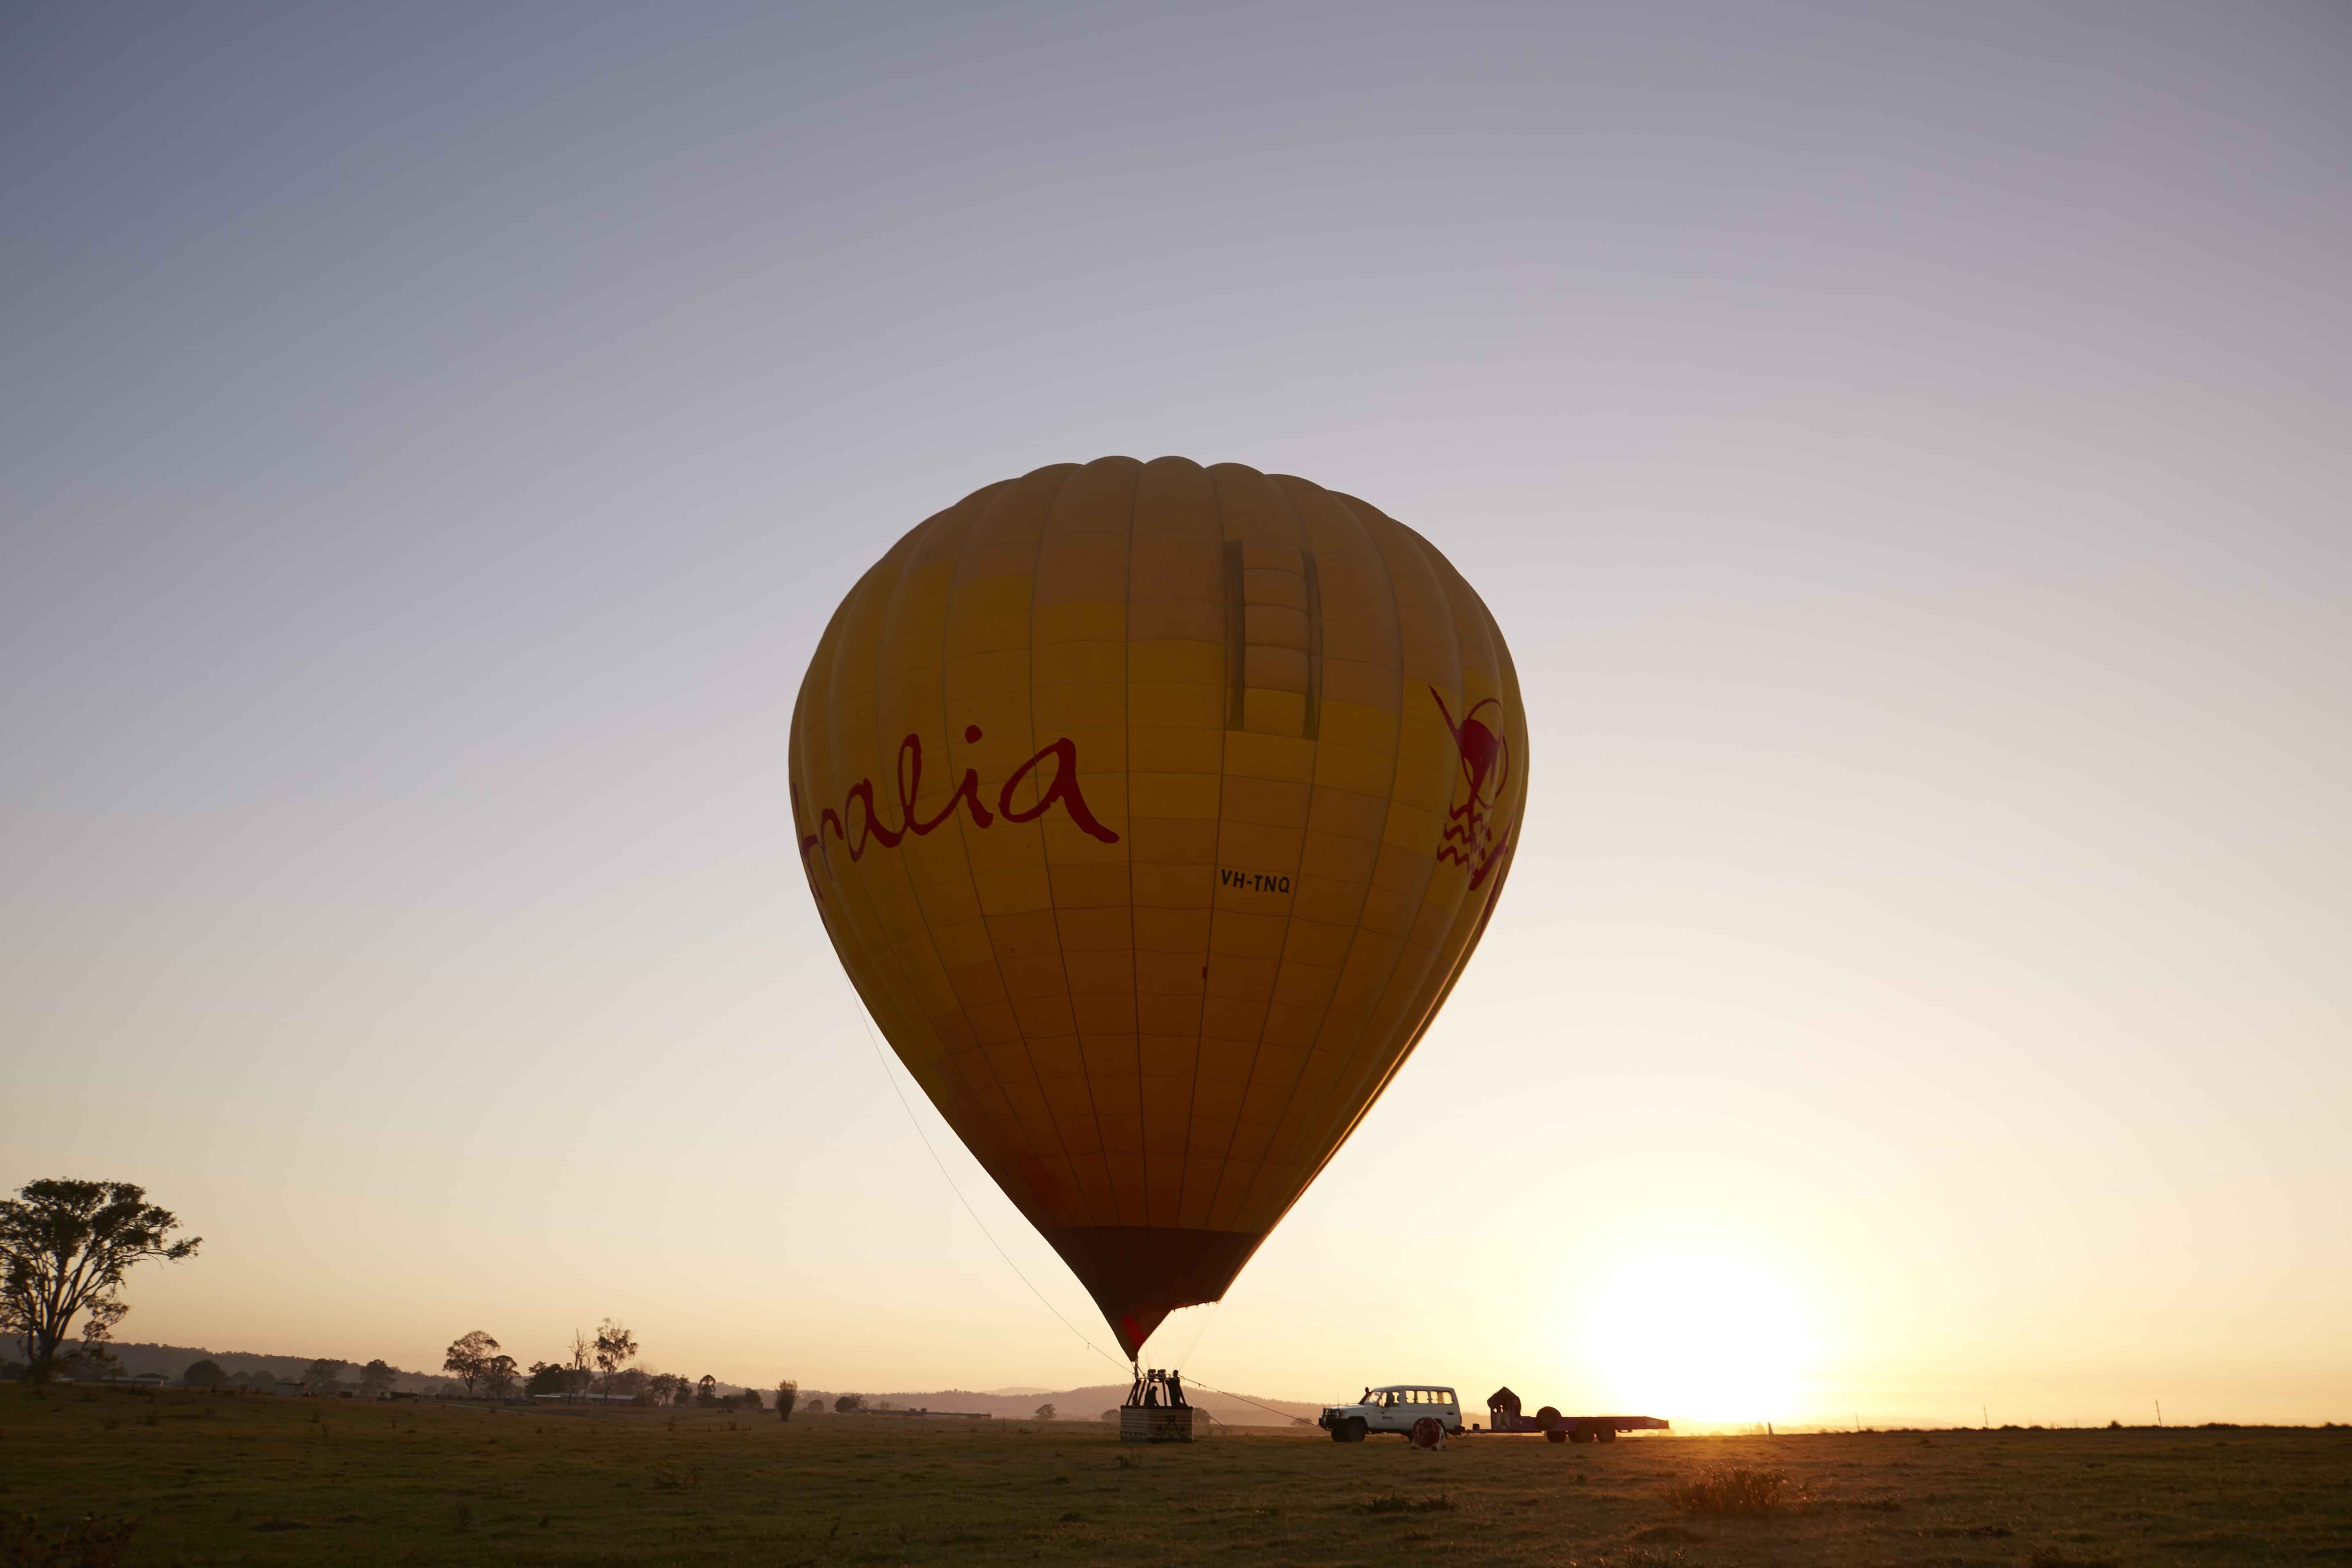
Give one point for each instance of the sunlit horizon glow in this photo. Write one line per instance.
(1698, 1337)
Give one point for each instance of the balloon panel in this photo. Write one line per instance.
(1153, 810)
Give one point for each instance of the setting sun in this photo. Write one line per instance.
(1698, 1337)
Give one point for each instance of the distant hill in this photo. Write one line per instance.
(1017, 1403)
(172, 1360)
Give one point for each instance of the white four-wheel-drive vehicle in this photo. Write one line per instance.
(1395, 1407)
(1392, 1407)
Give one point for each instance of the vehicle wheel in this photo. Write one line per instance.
(1555, 1436)
(1546, 1414)
(1606, 1435)
(1579, 1435)
(1351, 1430)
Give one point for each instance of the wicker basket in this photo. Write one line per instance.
(1155, 1424)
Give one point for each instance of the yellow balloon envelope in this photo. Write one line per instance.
(1153, 810)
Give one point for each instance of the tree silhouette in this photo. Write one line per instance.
(614, 1348)
(64, 1250)
(468, 1355)
(499, 1375)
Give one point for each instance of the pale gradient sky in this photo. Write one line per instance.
(1905, 443)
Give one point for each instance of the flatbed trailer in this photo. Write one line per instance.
(1503, 1415)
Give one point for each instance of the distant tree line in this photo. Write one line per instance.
(596, 1365)
(67, 1246)
(482, 1370)
(323, 1378)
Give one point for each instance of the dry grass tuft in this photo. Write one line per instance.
(94, 1541)
(1733, 1491)
(1396, 1503)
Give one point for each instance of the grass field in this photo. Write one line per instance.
(253, 1479)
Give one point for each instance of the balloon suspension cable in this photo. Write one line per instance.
(867, 1022)
(1134, 1364)
(1199, 1331)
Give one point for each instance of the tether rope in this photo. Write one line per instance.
(1227, 1394)
(882, 1061)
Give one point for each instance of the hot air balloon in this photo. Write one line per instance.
(1153, 810)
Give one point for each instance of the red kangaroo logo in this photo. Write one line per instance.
(860, 829)
(1486, 760)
